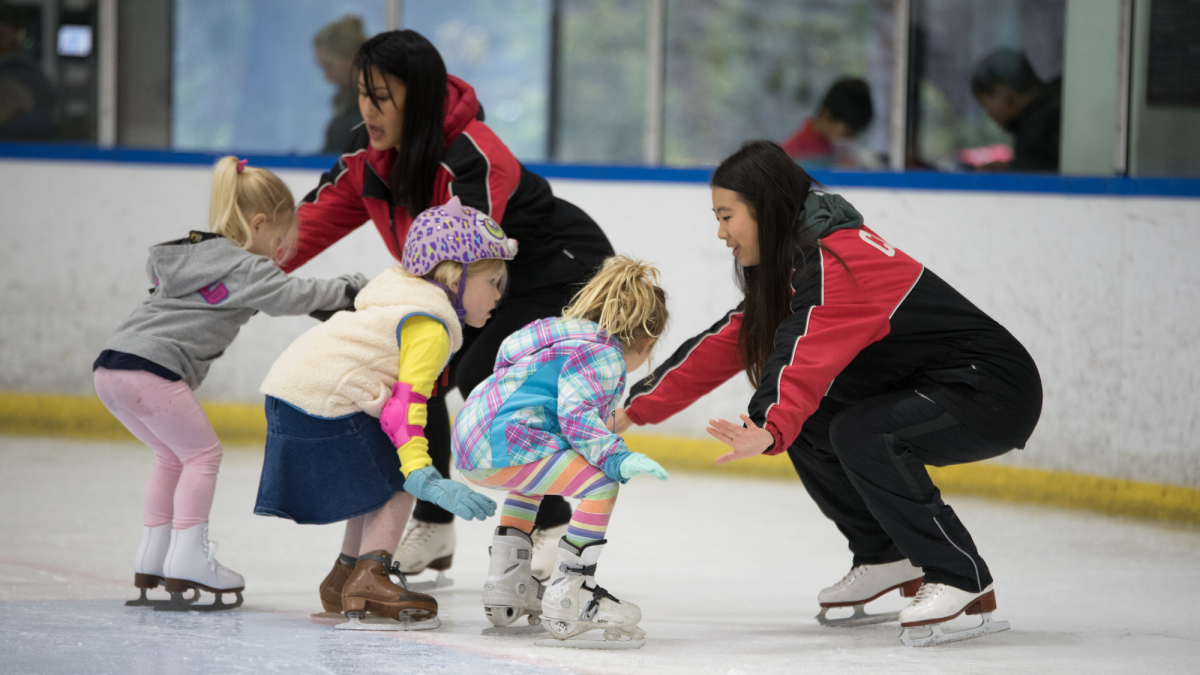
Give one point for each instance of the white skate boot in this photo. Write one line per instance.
(510, 591)
(573, 604)
(864, 584)
(936, 604)
(427, 546)
(545, 550)
(191, 563)
(148, 565)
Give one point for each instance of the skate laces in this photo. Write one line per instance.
(418, 535)
(853, 574)
(927, 592)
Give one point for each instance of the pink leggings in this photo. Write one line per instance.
(166, 416)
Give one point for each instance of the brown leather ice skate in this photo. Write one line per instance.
(370, 589)
(331, 587)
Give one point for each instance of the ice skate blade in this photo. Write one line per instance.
(591, 641)
(937, 637)
(177, 603)
(497, 631)
(439, 582)
(858, 618)
(379, 623)
(143, 601)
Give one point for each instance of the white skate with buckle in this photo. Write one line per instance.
(578, 613)
(510, 591)
(936, 604)
(863, 584)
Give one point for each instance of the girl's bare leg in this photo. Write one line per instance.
(383, 527)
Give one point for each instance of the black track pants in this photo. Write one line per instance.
(472, 365)
(864, 465)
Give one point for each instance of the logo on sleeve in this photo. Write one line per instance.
(214, 294)
(878, 242)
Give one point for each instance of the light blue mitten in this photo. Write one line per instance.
(428, 485)
(637, 463)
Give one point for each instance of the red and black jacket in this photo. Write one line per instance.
(477, 168)
(884, 324)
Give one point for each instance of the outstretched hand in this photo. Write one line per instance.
(746, 441)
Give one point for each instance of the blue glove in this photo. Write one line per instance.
(637, 463)
(428, 485)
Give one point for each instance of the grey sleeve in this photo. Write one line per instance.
(268, 289)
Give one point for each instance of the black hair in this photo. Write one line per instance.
(1004, 66)
(407, 55)
(849, 100)
(774, 188)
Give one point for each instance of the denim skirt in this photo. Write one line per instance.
(319, 470)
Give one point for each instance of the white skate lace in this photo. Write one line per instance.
(417, 536)
(210, 547)
(853, 574)
(927, 593)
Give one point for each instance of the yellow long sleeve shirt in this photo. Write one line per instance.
(424, 348)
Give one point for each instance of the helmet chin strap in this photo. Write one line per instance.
(456, 299)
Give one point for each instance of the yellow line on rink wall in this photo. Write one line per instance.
(241, 424)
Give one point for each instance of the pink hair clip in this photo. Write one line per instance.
(242, 165)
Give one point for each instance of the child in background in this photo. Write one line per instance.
(346, 410)
(537, 427)
(830, 138)
(206, 287)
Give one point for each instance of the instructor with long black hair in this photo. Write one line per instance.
(867, 366)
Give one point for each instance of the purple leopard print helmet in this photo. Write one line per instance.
(453, 232)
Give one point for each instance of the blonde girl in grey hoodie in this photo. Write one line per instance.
(206, 286)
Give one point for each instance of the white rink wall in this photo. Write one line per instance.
(1103, 291)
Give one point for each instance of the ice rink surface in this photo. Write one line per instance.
(726, 572)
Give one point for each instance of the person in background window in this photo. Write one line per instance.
(335, 46)
(26, 96)
(829, 138)
(1031, 110)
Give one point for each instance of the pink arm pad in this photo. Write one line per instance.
(394, 417)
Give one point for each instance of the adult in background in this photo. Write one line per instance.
(1014, 97)
(423, 141)
(334, 47)
(866, 367)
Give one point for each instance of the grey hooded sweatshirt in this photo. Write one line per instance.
(205, 289)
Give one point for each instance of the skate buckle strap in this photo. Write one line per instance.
(577, 570)
(589, 610)
(389, 567)
(522, 554)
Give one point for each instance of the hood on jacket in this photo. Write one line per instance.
(826, 213)
(546, 333)
(181, 267)
(459, 109)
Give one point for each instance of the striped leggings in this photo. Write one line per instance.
(565, 473)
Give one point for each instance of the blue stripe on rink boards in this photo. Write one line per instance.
(886, 180)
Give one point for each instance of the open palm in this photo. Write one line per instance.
(746, 441)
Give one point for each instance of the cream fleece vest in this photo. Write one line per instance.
(349, 363)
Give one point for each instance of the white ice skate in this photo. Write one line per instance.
(545, 550)
(510, 591)
(427, 546)
(573, 605)
(148, 565)
(191, 563)
(863, 584)
(938, 603)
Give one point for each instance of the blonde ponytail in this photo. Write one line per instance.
(624, 298)
(239, 196)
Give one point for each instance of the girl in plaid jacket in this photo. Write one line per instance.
(537, 426)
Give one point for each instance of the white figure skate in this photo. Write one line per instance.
(427, 546)
(148, 565)
(510, 591)
(545, 550)
(864, 584)
(938, 603)
(191, 563)
(573, 605)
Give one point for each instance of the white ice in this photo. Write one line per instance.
(726, 572)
